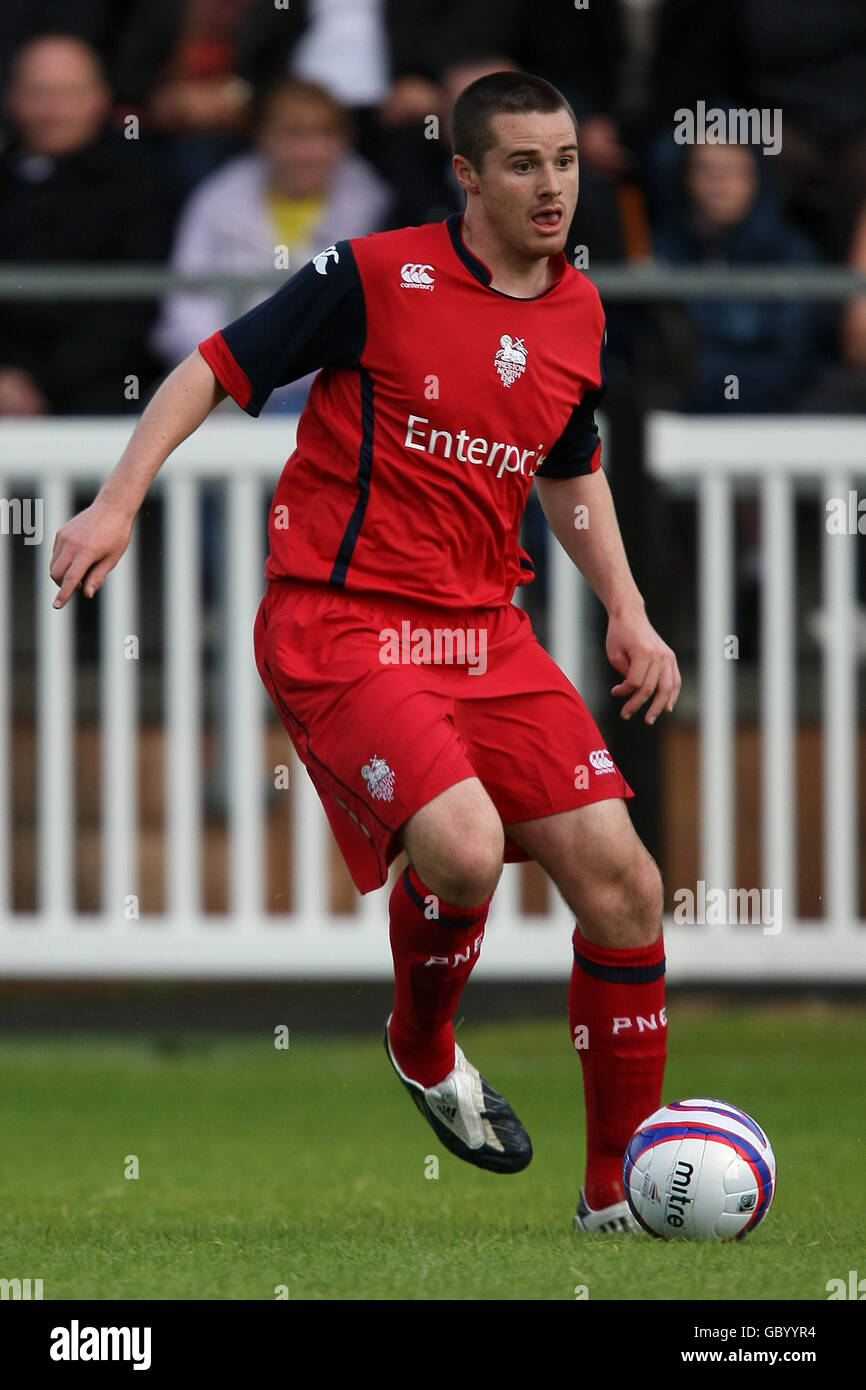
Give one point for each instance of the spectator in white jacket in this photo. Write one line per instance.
(301, 189)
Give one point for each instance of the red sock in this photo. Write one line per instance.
(433, 959)
(618, 1025)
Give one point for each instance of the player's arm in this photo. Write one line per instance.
(633, 647)
(90, 545)
(316, 319)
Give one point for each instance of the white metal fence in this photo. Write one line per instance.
(49, 459)
(778, 458)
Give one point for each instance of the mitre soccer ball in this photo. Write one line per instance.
(700, 1169)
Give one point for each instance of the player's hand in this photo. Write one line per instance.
(87, 548)
(648, 665)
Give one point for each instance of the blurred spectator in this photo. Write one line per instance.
(747, 355)
(23, 20)
(343, 45)
(807, 61)
(729, 216)
(419, 169)
(69, 191)
(843, 387)
(843, 390)
(854, 324)
(302, 188)
(176, 62)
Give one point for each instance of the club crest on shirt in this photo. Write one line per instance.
(379, 778)
(510, 359)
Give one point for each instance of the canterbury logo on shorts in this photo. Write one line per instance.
(601, 760)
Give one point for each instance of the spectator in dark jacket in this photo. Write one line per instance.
(70, 192)
(23, 20)
(805, 60)
(175, 62)
(729, 216)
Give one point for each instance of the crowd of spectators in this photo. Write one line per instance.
(213, 135)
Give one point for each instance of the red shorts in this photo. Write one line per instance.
(389, 702)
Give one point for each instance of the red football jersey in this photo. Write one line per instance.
(439, 400)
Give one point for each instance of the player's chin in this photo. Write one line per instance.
(548, 238)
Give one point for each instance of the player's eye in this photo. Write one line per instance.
(522, 166)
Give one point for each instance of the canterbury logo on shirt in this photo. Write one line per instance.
(415, 276)
(441, 443)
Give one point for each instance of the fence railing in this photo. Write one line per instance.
(776, 458)
(710, 456)
(49, 459)
(634, 281)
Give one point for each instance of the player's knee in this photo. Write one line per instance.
(468, 869)
(645, 897)
(456, 845)
(470, 883)
(623, 905)
(465, 868)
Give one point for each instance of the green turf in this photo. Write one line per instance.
(306, 1168)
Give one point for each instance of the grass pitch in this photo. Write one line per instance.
(304, 1170)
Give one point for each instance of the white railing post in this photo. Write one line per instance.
(183, 749)
(55, 713)
(244, 716)
(715, 582)
(6, 717)
(778, 688)
(120, 664)
(839, 714)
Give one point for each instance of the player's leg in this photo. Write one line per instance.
(616, 998)
(438, 911)
(393, 772)
(606, 875)
(456, 843)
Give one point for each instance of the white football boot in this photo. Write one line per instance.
(614, 1220)
(473, 1121)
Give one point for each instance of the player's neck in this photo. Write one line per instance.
(521, 276)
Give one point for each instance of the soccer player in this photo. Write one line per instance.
(460, 361)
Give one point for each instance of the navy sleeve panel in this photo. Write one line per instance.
(316, 319)
(576, 447)
(576, 451)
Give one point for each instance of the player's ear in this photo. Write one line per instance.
(465, 174)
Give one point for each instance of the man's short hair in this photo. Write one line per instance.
(499, 93)
(54, 36)
(300, 90)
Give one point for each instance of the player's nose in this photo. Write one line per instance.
(550, 181)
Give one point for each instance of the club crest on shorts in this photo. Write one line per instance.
(510, 359)
(379, 778)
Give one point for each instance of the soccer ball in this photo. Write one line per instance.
(701, 1169)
